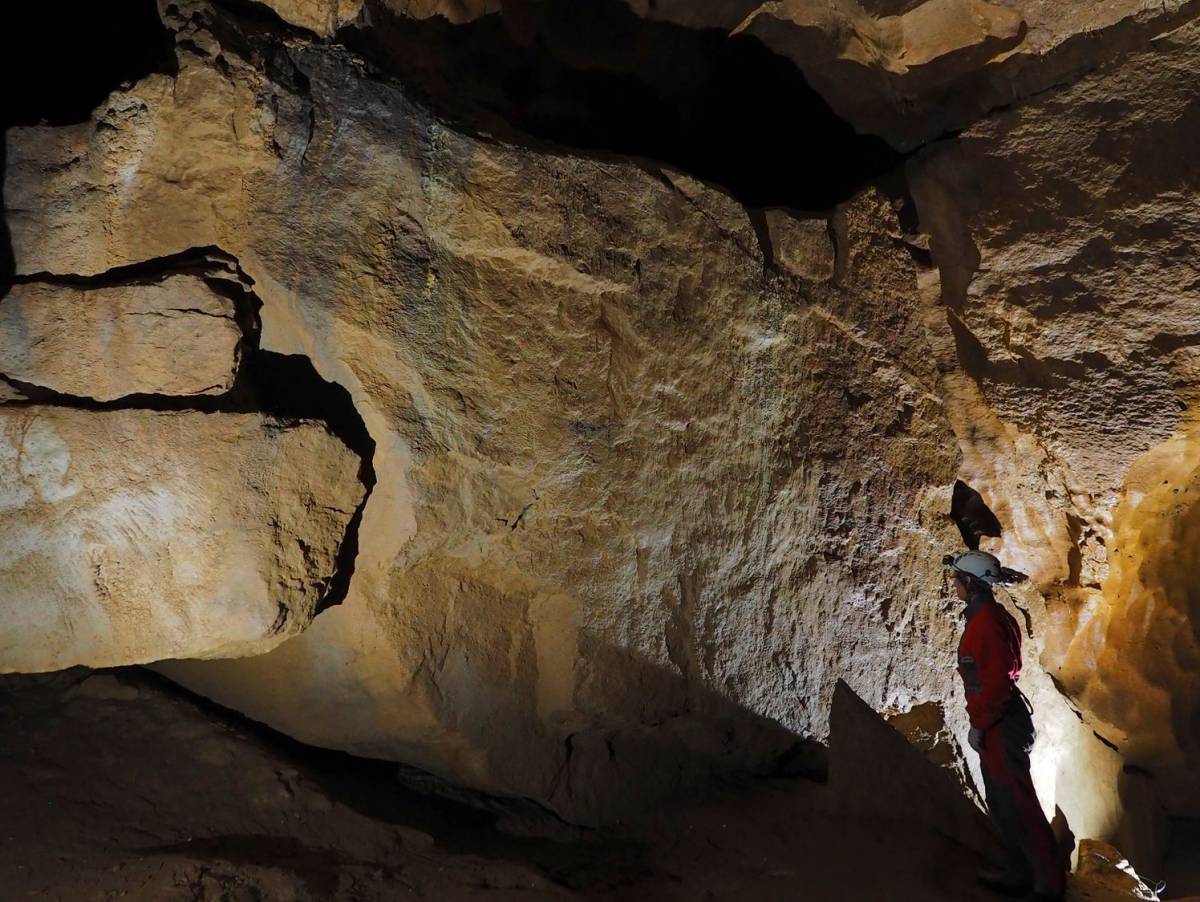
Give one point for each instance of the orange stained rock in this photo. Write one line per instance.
(1133, 660)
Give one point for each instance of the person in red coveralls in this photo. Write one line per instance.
(989, 661)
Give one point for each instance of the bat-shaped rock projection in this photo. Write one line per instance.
(974, 520)
(972, 516)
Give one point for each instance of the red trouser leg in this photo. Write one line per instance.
(1013, 802)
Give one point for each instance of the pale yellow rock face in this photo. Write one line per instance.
(174, 337)
(131, 535)
(653, 471)
(635, 492)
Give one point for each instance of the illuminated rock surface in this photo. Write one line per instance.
(640, 500)
(653, 469)
(133, 535)
(177, 337)
(1062, 230)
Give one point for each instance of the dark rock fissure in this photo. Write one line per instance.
(597, 78)
(286, 386)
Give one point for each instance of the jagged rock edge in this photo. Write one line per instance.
(207, 263)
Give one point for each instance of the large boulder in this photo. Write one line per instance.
(176, 336)
(132, 535)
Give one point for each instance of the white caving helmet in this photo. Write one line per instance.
(983, 566)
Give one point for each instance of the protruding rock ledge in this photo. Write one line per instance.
(175, 337)
(127, 536)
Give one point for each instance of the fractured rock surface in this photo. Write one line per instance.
(635, 487)
(655, 470)
(175, 337)
(132, 535)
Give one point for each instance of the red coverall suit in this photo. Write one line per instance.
(989, 661)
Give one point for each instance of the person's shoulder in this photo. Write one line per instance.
(999, 618)
(995, 611)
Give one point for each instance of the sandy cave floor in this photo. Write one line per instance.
(117, 787)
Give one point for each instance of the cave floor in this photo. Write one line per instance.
(117, 787)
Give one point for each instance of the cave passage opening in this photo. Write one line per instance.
(598, 78)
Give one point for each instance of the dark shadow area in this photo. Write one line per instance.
(599, 78)
(1065, 836)
(1182, 868)
(460, 820)
(972, 515)
(665, 736)
(59, 60)
(316, 866)
(662, 740)
(1144, 833)
(124, 774)
(877, 772)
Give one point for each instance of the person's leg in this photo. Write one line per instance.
(1015, 873)
(1009, 763)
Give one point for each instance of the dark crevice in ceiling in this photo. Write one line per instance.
(595, 77)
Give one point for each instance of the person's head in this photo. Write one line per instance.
(968, 588)
(972, 574)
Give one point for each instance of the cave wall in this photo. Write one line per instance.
(652, 470)
(628, 476)
(1063, 231)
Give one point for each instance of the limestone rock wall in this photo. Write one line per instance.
(1063, 231)
(654, 470)
(640, 499)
